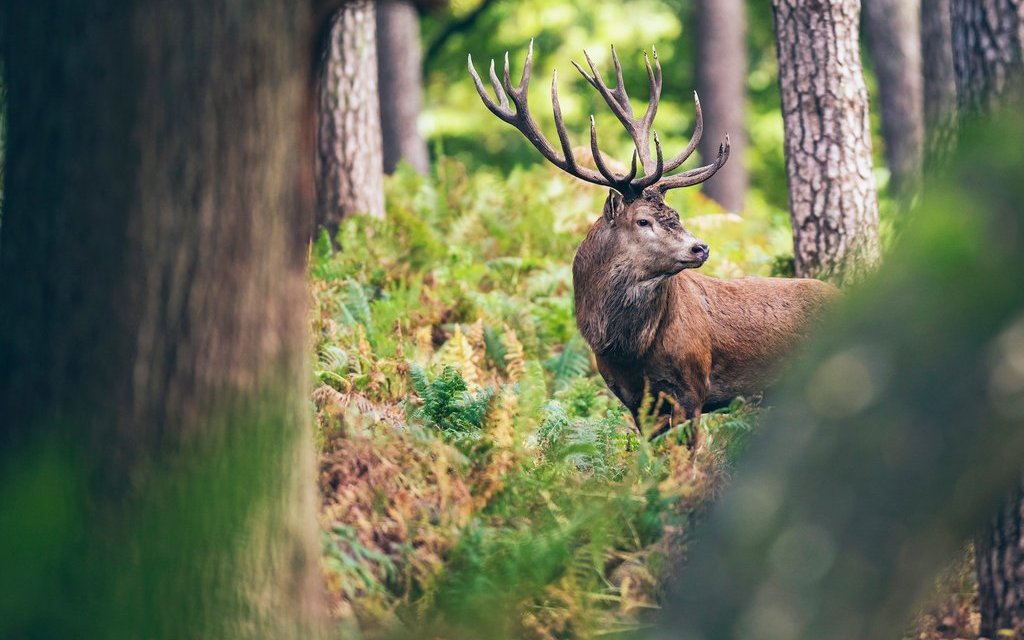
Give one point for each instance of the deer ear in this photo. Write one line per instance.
(613, 205)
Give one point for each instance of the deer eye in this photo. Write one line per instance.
(643, 222)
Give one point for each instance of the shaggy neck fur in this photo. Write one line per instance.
(617, 310)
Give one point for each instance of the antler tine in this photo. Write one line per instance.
(654, 80)
(563, 135)
(615, 181)
(620, 86)
(700, 174)
(597, 82)
(698, 131)
(502, 110)
(659, 169)
(524, 80)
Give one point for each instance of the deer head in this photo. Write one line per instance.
(637, 224)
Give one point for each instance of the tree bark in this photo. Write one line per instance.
(157, 459)
(832, 196)
(721, 74)
(893, 35)
(939, 79)
(350, 170)
(988, 49)
(400, 78)
(1000, 563)
(988, 44)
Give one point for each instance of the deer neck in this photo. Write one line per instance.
(619, 314)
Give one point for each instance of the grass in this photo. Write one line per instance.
(475, 471)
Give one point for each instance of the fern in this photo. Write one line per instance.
(571, 363)
(356, 304)
(447, 406)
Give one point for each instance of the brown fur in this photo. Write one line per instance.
(698, 340)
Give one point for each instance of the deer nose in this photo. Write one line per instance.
(700, 250)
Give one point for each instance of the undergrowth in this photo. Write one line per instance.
(476, 475)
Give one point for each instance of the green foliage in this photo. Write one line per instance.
(482, 475)
(446, 405)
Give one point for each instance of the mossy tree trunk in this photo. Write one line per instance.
(350, 173)
(988, 50)
(156, 476)
(893, 35)
(833, 201)
(721, 73)
(400, 80)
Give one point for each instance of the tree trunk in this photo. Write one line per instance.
(893, 36)
(939, 79)
(350, 170)
(1000, 562)
(988, 44)
(832, 197)
(988, 49)
(721, 74)
(400, 78)
(157, 460)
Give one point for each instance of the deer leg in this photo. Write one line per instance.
(696, 435)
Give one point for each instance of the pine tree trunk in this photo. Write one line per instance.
(157, 463)
(892, 32)
(832, 197)
(988, 44)
(721, 75)
(400, 78)
(988, 50)
(350, 173)
(939, 79)
(1000, 563)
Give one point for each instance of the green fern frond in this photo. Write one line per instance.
(573, 362)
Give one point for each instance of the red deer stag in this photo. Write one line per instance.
(654, 324)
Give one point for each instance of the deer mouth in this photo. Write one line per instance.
(692, 263)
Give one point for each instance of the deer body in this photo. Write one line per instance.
(654, 324)
(700, 341)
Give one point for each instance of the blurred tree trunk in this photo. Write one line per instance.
(988, 50)
(893, 438)
(400, 78)
(156, 469)
(832, 197)
(350, 169)
(721, 73)
(939, 79)
(1000, 563)
(893, 35)
(988, 44)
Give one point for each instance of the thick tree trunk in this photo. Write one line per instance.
(892, 32)
(988, 45)
(939, 79)
(721, 73)
(157, 464)
(988, 50)
(1000, 562)
(832, 196)
(400, 79)
(350, 170)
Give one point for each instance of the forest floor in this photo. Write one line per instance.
(475, 473)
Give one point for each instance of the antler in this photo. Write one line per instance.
(521, 119)
(639, 129)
